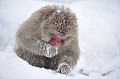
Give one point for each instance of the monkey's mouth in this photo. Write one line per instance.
(56, 40)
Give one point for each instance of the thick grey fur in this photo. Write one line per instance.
(33, 36)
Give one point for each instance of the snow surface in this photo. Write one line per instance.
(99, 39)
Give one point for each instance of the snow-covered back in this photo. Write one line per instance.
(99, 39)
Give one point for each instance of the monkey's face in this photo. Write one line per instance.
(52, 35)
(58, 26)
(55, 34)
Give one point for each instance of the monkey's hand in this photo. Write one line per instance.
(49, 50)
(64, 68)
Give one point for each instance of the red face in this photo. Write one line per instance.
(56, 40)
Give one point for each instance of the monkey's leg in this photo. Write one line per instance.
(32, 59)
(51, 63)
(67, 60)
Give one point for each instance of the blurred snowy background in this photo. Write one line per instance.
(99, 39)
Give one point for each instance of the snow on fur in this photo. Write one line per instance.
(99, 30)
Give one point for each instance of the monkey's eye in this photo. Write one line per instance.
(61, 33)
(48, 27)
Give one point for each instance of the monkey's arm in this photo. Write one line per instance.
(37, 46)
(69, 55)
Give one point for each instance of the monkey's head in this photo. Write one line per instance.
(57, 23)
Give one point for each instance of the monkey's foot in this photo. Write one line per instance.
(64, 68)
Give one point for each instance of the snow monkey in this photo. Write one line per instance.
(49, 39)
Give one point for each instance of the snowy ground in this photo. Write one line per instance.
(99, 39)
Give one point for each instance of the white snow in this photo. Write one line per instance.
(99, 39)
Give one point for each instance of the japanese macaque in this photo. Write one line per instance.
(49, 39)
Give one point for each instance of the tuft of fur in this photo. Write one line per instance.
(33, 39)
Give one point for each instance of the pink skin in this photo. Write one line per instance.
(56, 40)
